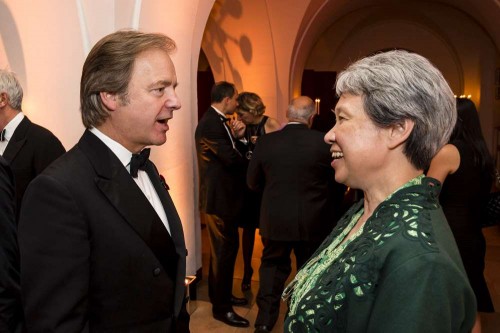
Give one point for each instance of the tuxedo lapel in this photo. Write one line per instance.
(123, 193)
(175, 266)
(174, 221)
(17, 140)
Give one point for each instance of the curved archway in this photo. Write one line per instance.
(465, 50)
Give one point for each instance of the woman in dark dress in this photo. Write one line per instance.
(251, 112)
(465, 167)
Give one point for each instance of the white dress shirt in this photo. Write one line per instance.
(9, 130)
(142, 180)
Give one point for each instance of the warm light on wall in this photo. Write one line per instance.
(464, 96)
(316, 105)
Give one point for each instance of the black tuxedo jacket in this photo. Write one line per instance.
(11, 312)
(221, 167)
(300, 196)
(95, 255)
(29, 151)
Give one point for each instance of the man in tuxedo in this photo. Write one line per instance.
(102, 247)
(28, 147)
(300, 203)
(11, 311)
(221, 167)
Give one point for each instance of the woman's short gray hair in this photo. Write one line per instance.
(399, 85)
(10, 85)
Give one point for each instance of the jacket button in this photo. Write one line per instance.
(157, 271)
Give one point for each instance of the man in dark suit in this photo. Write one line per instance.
(28, 147)
(221, 167)
(102, 247)
(300, 202)
(11, 312)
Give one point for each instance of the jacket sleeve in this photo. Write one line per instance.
(54, 247)
(10, 293)
(48, 151)
(213, 143)
(424, 295)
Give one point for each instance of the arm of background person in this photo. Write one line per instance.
(54, 248)
(10, 294)
(214, 142)
(47, 151)
(444, 163)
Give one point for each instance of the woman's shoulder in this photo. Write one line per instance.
(272, 125)
(445, 162)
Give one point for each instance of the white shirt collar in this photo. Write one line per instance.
(12, 125)
(220, 113)
(123, 154)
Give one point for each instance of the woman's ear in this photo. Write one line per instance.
(110, 100)
(399, 133)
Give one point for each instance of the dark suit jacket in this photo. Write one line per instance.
(221, 167)
(30, 150)
(95, 255)
(11, 314)
(300, 195)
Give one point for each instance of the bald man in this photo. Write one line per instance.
(300, 203)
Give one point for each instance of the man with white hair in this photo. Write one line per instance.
(28, 147)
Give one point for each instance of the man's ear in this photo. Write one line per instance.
(399, 133)
(226, 100)
(110, 100)
(310, 121)
(4, 100)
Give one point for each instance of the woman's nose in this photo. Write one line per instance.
(330, 136)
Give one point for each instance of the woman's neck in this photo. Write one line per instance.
(257, 120)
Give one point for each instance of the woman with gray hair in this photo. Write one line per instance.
(391, 264)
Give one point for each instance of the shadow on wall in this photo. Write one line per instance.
(221, 10)
(13, 48)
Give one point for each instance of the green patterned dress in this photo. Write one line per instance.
(401, 272)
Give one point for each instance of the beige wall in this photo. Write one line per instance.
(250, 43)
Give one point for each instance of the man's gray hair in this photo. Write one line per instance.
(399, 85)
(10, 85)
(300, 109)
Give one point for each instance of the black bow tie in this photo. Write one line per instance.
(224, 119)
(138, 161)
(2, 135)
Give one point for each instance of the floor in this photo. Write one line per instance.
(201, 310)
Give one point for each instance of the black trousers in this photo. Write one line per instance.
(224, 241)
(274, 270)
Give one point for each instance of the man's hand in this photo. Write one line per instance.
(238, 128)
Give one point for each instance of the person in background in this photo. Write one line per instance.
(11, 311)
(28, 147)
(300, 200)
(251, 111)
(466, 170)
(221, 167)
(102, 246)
(391, 263)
